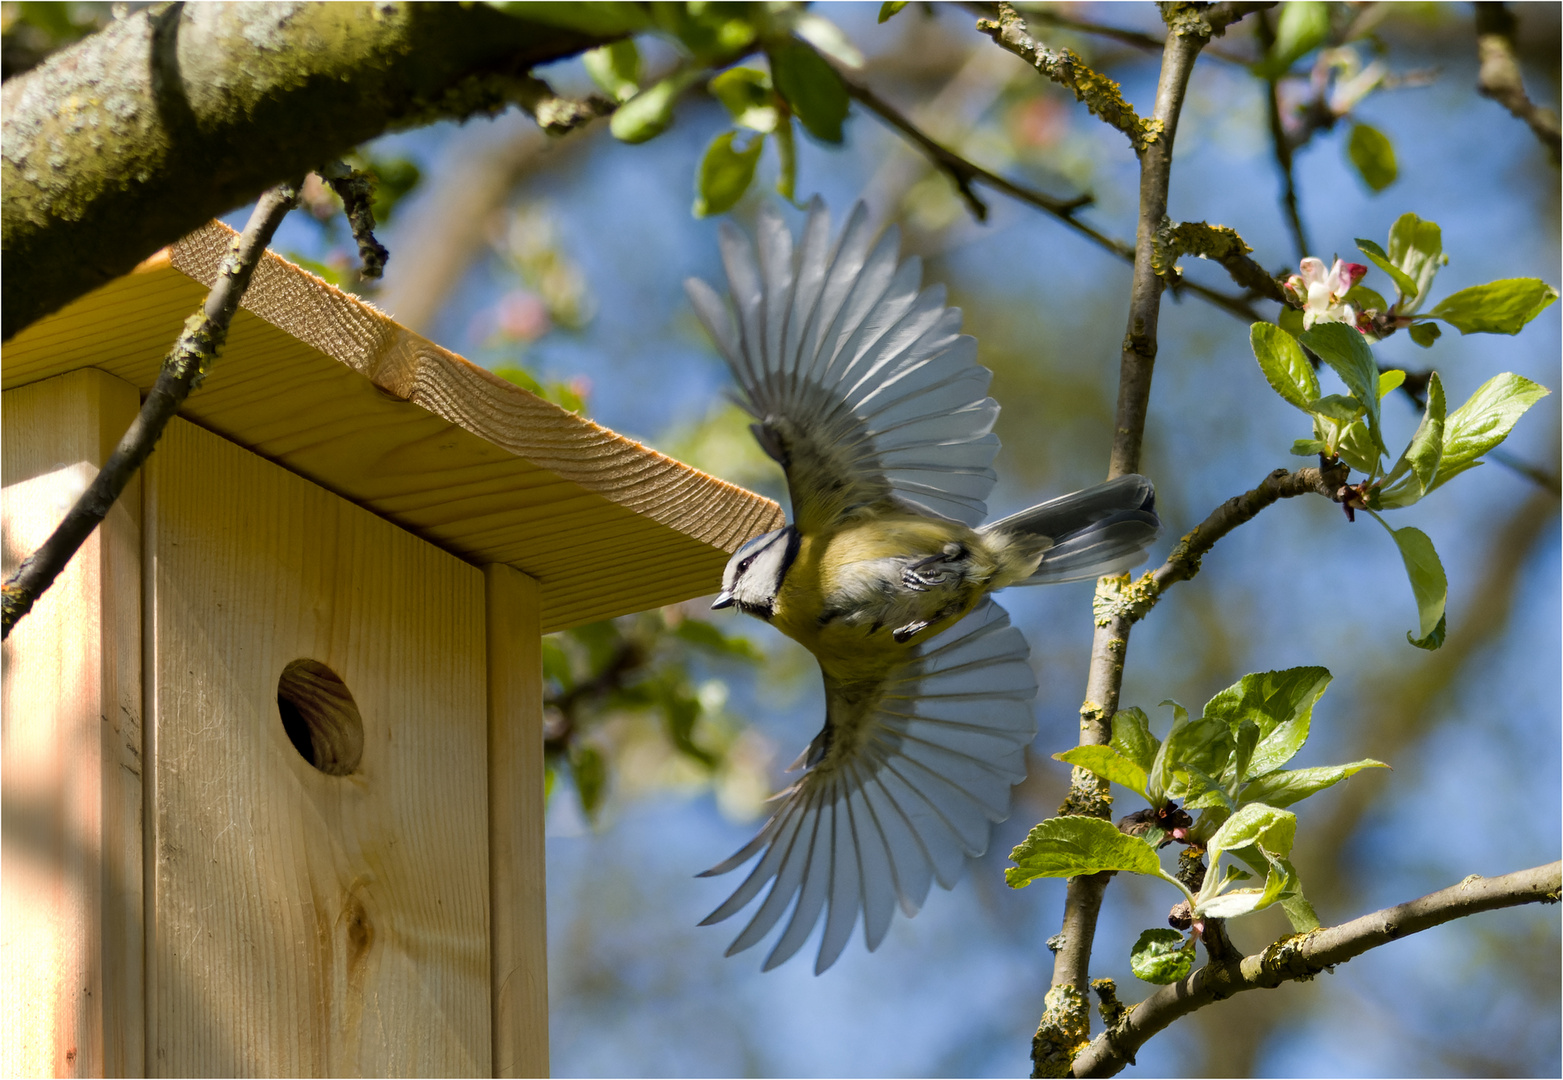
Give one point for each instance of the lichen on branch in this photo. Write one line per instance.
(1099, 93)
(1217, 243)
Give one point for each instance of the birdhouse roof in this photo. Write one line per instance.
(328, 387)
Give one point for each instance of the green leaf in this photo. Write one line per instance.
(1245, 741)
(1376, 255)
(1433, 641)
(1388, 381)
(1286, 786)
(1133, 739)
(1428, 584)
(1285, 367)
(1418, 465)
(1280, 703)
(1267, 828)
(1363, 298)
(1416, 247)
(1205, 745)
(648, 113)
(1498, 307)
(1278, 876)
(787, 156)
(1355, 446)
(1374, 157)
(615, 69)
(1424, 333)
(1345, 350)
(1073, 846)
(746, 94)
(828, 38)
(1308, 447)
(1338, 407)
(725, 173)
(591, 777)
(1162, 957)
(1107, 763)
(1299, 911)
(1203, 791)
(1485, 420)
(713, 33)
(1302, 27)
(812, 87)
(704, 635)
(889, 8)
(608, 17)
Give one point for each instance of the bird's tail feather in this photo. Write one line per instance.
(1101, 530)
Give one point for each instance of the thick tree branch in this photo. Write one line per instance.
(1303, 956)
(178, 113)
(1499, 77)
(185, 366)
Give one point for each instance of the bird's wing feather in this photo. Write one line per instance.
(913, 773)
(859, 379)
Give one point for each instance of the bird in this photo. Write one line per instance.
(863, 389)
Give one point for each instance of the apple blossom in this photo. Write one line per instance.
(1323, 295)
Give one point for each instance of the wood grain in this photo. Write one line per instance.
(70, 764)
(303, 923)
(331, 389)
(517, 893)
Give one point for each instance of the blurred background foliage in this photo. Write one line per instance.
(559, 264)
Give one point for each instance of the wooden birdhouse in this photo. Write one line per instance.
(273, 753)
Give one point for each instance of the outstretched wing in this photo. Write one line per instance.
(861, 384)
(903, 783)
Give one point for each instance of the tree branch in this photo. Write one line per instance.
(1100, 94)
(965, 172)
(1301, 957)
(193, 109)
(1190, 27)
(1117, 601)
(183, 369)
(1499, 77)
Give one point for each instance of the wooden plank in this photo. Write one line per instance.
(335, 391)
(70, 764)
(517, 893)
(301, 922)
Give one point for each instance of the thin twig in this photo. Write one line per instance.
(1132, 602)
(964, 173)
(1303, 956)
(1133, 38)
(1499, 77)
(183, 369)
(1281, 145)
(1100, 94)
(356, 190)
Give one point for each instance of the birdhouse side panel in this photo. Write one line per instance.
(320, 818)
(70, 763)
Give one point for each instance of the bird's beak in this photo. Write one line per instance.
(723, 599)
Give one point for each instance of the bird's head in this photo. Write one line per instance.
(754, 574)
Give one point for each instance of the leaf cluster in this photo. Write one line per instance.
(639, 669)
(798, 85)
(1228, 764)
(1348, 427)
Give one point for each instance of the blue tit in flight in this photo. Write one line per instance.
(864, 390)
